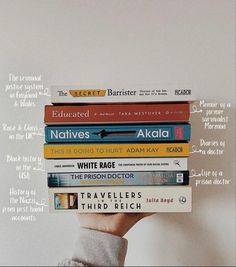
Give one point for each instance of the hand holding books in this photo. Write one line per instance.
(109, 151)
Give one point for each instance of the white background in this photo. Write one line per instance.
(125, 41)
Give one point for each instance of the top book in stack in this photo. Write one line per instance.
(138, 94)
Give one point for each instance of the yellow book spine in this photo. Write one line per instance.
(130, 150)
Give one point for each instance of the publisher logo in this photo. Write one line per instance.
(177, 162)
(180, 178)
(88, 92)
(182, 200)
(183, 92)
(172, 149)
(179, 132)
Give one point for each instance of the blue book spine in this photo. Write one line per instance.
(118, 133)
(118, 178)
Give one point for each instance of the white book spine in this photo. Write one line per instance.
(116, 164)
(121, 199)
(100, 94)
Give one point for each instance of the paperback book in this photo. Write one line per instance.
(116, 164)
(115, 150)
(120, 199)
(117, 113)
(118, 178)
(118, 133)
(100, 94)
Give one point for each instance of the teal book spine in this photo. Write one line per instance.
(118, 133)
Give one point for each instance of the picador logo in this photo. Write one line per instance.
(183, 92)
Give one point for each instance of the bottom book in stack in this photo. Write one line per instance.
(110, 199)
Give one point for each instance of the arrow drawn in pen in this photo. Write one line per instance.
(103, 133)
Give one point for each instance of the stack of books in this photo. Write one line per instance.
(118, 150)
